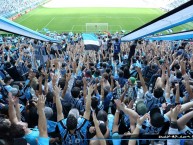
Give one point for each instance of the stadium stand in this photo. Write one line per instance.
(62, 94)
(9, 8)
(173, 4)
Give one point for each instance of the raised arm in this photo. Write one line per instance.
(102, 88)
(74, 66)
(88, 103)
(167, 89)
(84, 88)
(137, 129)
(183, 67)
(184, 108)
(98, 131)
(184, 120)
(46, 83)
(12, 113)
(124, 93)
(68, 76)
(112, 83)
(173, 125)
(17, 108)
(116, 121)
(60, 114)
(163, 69)
(142, 80)
(188, 88)
(126, 110)
(40, 84)
(42, 124)
(177, 100)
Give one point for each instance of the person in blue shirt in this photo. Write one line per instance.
(43, 138)
(20, 129)
(74, 129)
(117, 49)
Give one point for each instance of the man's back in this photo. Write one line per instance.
(117, 48)
(80, 135)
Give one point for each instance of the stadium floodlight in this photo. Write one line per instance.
(96, 27)
(176, 17)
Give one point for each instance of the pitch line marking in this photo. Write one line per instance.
(140, 20)
(28, 16)
(120, 27)
(49, 22)
(72, 28)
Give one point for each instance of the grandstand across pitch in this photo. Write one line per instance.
(69, 19)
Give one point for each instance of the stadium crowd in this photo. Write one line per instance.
(9, 8)
(172, 4)
(62, 94)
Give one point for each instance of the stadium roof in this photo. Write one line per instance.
(176, 17)
(175, 36)
(10, 26)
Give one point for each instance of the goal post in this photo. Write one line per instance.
(96, 27)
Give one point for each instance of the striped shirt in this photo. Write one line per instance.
(152, 102)
(80, 135)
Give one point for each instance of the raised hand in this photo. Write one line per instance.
(119, 104)
(10, 98)
(54, 79)
(45, 74)
(142, 119)
(40, 79)
(130, 105)
(84, 81)
(41, 102)
(186, 78)
(90, 89)
(126, 86)
(174, 112)
(68, 76)
(94, 116)
(138, 69)
(57, 91)
(16, 100)
(117, 84)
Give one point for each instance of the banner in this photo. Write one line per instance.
(90, 42)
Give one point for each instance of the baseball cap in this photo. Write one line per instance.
(157, 119)
(141, 108)
(133, 80)
(48, 112)
(74, 112)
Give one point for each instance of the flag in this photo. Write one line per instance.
(90, 42)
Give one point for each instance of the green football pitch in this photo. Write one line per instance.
(75, 19)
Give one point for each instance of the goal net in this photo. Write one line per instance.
(96, 27)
